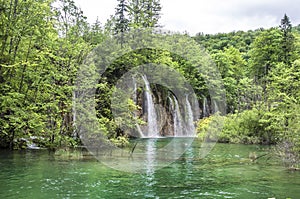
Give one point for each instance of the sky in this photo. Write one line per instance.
(207, 16)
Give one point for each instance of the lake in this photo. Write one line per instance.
(226, 172)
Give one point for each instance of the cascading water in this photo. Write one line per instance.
(216, 108)
(204, 108)
(190, 128)
(178, 127)
(152, 126)
(182, 128)
(183, 123)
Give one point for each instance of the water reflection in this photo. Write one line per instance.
(151, 156)
(157, 152)
(224, 173)
(150, 164)
(145, 155)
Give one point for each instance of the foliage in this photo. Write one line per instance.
(240, 40)
(262, 87)
(208, 128)
(40, 53)
(265, 52)
(242, 128)
(144, 14)
(288, 41)
(44, 42)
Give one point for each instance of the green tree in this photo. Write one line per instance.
(264, 55)
(121, 21)
(279, 121)
(233, 69)
(265, 52)
(288, 41)
(144, 13)
(24, 59)
(96, 34)
(41, 49)
(152, 13)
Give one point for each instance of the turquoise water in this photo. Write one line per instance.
(226, 172)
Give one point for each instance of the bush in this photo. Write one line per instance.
(238, 128)
(121, 141)
(209, 128)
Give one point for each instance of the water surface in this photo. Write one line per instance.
(226, 172)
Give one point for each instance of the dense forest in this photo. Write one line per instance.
(44, 42)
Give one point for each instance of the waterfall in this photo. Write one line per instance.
(182, 128)
(216, 108)
(152, 127)
(183, 123)
(204, 108)
(190, 128)
(178, 128)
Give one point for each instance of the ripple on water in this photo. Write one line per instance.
(221, 175)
